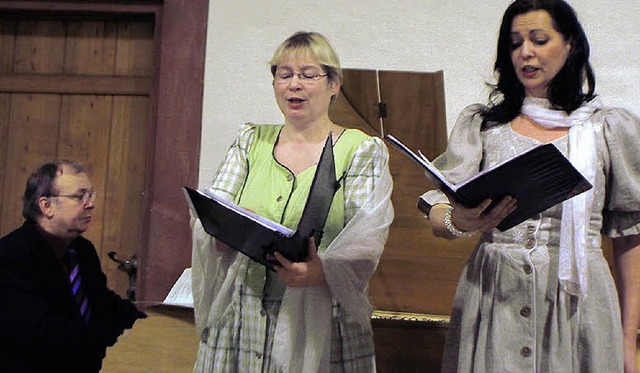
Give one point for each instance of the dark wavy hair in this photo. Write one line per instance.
(565, 90)
(41, 183)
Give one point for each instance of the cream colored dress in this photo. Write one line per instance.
(509, 314)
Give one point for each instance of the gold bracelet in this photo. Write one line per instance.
(452, 228)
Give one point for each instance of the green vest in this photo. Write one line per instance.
(274, 192)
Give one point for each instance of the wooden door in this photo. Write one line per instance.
(78, 88)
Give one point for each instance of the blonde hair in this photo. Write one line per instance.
(310, 44)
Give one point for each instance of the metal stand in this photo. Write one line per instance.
(131, 268)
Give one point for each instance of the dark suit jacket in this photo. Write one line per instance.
(41, 329)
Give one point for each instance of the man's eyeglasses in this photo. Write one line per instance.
(84, 198)
(306, 77)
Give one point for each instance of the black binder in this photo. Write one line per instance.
(538, 178)
(256, 236)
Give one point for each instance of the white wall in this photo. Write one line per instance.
(457, 36)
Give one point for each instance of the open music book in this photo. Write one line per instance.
(538, 178)
(256, 236)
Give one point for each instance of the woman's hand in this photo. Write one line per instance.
(479, 218)
(470, 219)
(299, 274)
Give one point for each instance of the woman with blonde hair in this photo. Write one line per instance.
(311, 316)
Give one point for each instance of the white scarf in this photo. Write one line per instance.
(576, 212)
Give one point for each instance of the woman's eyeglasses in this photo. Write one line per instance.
(285, 76)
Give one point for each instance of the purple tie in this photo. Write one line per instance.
(76, 286)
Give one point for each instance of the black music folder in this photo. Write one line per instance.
(256, 236)
(538, 178)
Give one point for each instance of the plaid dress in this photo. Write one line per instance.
(242, 339)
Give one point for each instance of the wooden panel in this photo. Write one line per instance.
(39, 47)
(135, 49)
(124, 193)
(90, 48)
(360, 88)
(415, 109)
(177, 144)
(66, 84)
(33, 128)
(7, 44)
(52, 7)
(128, 160)
(408, 346)
(341, 112)
(417, 272)
(408, 279)
(5, 101)
(84, 134)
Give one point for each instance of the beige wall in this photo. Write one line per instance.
(457, 36)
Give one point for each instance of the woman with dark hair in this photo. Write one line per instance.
(539, 297)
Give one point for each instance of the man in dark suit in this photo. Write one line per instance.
(56, 312)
